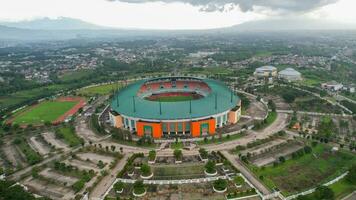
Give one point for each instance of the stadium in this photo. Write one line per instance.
(175, 106)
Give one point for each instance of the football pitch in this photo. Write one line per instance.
(174, 98)
(47, 111)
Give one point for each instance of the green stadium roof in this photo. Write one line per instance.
(146, 109)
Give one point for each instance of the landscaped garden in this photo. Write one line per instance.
(185, 171)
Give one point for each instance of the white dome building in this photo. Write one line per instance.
(265, 72)
(290, 74)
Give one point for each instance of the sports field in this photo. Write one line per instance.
(47, 111)
(174, 98)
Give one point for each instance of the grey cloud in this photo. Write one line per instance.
(247, 5)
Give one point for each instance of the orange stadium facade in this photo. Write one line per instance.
(212, 105)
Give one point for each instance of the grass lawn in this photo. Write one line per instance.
(178, 172)
(342, 188)
(44, 111)
(310, 170)
(76, 75)
(98, 90)
(174, 98)
(225, 138)
(68, 135)
(272, 116)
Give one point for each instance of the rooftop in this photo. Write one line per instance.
(129, 104)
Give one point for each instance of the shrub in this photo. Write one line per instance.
(210, 167)
(203, 153)
(145, 170)
(178, 154)
(220, 184)
(323, 192)
(152, 155)
(138, 187)
(118, 186)
(238, 180)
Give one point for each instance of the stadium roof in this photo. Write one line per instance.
(290, 72)
(266, 68)
(133, 106)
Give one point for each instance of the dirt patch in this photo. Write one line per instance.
(13, 156)
(256, 109)
(273, 155)
(38, 146)
(261, 148)
(48, 173)
(86, 133)
(93, 157)
(51, 139)
(82, 165)
(52, 191)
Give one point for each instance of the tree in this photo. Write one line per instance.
(282, 159)
(308, 149)
(272, 105)
(13, 192)
(100, 164)
(323, 193)
(113, 147)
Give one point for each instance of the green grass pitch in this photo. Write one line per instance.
(44, 111)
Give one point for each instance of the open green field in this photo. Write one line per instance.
(76, 75)
(69, 136)
(310, 170)
(44, 111)
(178, 172)
(11, 100)
(98, 90)
(342, 188)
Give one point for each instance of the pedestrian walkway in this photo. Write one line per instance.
(246, 173)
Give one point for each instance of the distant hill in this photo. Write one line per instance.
(62, 23)
(291, 24)
(13, 33)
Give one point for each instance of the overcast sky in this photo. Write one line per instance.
(177, 14)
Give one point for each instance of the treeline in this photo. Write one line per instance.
(10, 191)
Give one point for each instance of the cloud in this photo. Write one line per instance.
(247, 5)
